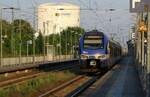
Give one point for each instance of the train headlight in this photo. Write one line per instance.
(84, 57)
(101, 57)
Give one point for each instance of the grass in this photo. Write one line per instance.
(27, 88)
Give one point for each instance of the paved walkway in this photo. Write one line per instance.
(122, 82)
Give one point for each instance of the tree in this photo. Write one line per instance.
(6, 28)
(70, 38)
(39, 44)
(26, 35)
(54, 39)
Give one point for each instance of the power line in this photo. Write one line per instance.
(92, 11)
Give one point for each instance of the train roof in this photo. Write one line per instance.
(95, 32)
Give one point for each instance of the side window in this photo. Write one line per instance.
(108, 48)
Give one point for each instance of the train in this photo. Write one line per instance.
(97, 52)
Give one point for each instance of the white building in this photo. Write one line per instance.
(54, 17)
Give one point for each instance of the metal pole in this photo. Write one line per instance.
(1, 49)
(60, 49)
(142, 47)
(34, 24)
(148, 57)
(75, 44)
(44, 40)
(71, 45)
(60, 53)
(47, 41)
(66, 43)
(12, 48)
(53, 44)
(20, 42)
(12, 29)
(27, 51)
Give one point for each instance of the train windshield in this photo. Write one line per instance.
(93, 42)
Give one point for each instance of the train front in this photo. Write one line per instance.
(93, 51)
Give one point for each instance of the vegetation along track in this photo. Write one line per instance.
(74, 87)
(68, 87)
(6, 82)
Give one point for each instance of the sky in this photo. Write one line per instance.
(116, 23)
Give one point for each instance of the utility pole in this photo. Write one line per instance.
(12, 33)
(47, 39)
(1, 51)
(33, 37)
(20, 41)
(148, 56)
(66, 44)
(54, 43)
(71, 45)
(44, 35)
(60, 46)
(140, 41)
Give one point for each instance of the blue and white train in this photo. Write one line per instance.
(97, 52)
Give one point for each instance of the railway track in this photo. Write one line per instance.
(71, 88)
(77, 86)
(97, 83)
(83, 87)
(22, 78)
(62, 90)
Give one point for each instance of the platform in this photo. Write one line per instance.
(121, 81)
(16, 67)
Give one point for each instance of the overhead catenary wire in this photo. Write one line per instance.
(94, 11)
(90, 9)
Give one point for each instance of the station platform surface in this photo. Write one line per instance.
(15, 67)
(121, 81)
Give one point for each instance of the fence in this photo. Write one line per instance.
(29, 60)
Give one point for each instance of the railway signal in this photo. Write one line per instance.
(142, 27)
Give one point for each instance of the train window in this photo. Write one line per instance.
(108, 49)
(93, 42)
